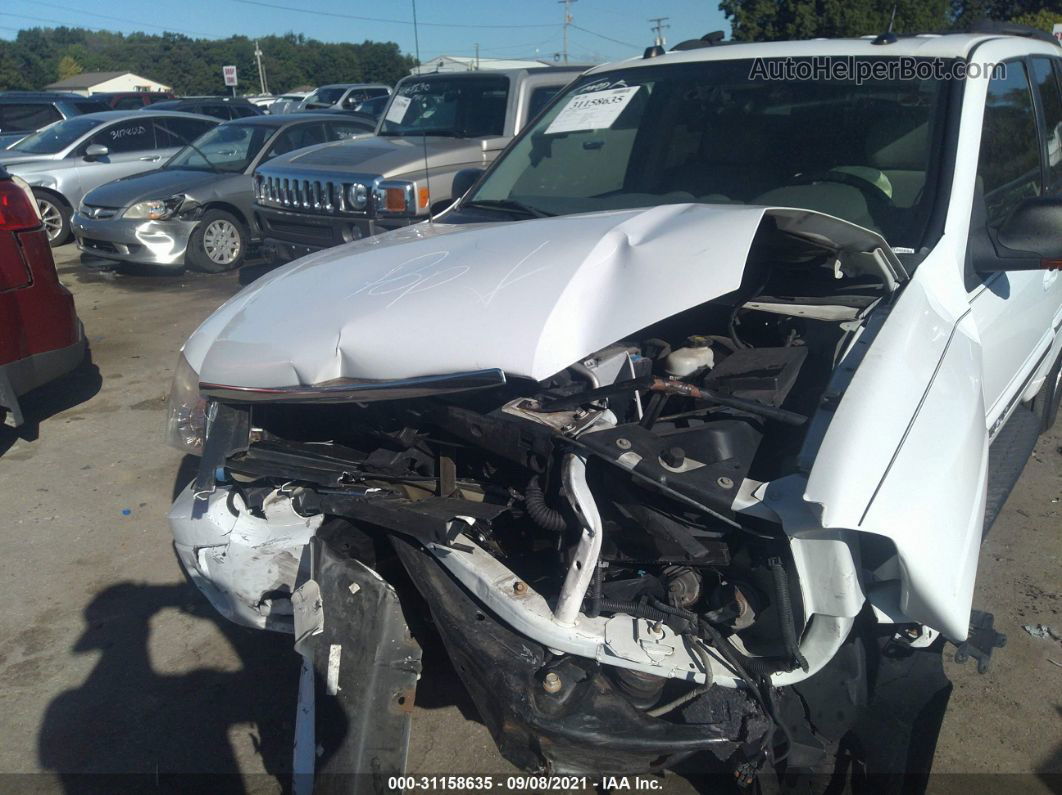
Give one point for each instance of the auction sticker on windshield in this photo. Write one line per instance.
(594, 111)
(397, 111)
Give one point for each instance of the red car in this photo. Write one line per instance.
(41, 337)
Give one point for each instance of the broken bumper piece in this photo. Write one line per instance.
(245, 565)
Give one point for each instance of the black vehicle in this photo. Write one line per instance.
(23, 112)
(223, 108)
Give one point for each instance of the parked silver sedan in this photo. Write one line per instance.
(197, 209)
(64, 161)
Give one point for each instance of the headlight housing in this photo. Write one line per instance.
(358, 195)
(155, 209)
(393, 197)
(185, 410)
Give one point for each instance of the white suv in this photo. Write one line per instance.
(686, 421)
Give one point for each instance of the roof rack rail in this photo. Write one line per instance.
(707, 40)
(1010, 29)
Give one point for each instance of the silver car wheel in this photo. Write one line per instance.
(221, 242)
(52, 218)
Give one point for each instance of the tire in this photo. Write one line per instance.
(218, 243)
(1045, 404)
(55, 214)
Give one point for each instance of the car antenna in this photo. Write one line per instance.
(423, 137)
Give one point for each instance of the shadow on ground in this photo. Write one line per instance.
(128, 727)
(74, 388)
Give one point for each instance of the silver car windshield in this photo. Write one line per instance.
(713, 132)
(56, 137)
(228, 147)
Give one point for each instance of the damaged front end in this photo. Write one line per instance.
(617, 555)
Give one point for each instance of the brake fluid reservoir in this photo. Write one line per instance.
(695, 355)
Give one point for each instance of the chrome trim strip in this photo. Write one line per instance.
(346, 390)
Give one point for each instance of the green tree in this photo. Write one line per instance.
(776, 20)
(1044, 20)
(68, 67)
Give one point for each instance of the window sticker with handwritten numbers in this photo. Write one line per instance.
(597, 110)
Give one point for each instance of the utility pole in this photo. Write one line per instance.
(261, 71)
(567, 21)
(658, 27)
(477, 57)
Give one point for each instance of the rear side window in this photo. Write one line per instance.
(1047, 85)
(1009, 163)
(242, 111)
(27, 116)
(127, 136)
(175, 131)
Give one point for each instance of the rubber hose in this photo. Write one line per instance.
(541, 514)
(785, 612)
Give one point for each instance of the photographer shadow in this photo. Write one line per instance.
(128, 727)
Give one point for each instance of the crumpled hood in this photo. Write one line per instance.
(377, 155)
(528, 297)
(159, 184)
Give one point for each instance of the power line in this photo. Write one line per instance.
(607, 38)
(120, 19)
(379, 19)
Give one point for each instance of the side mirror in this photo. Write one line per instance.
(96, 151)
(464, 180)
(1032, 230)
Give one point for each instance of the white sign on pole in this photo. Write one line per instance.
(1058, 31)
(230, 75)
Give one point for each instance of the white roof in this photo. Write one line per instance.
(470, 63)
(923, 46)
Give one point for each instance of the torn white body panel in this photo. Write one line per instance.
(245, 564)
(526, 297)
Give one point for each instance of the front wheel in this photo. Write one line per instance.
(1047, 400)
(218, 243)
(56, 217)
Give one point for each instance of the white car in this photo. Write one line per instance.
(686, 421)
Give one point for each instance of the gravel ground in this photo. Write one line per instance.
(110, 663)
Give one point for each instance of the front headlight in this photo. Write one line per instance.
(156, 209)
(185, 410)
(399, 197)
(358, 195)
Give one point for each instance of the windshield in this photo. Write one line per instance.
(471, 107)
(227, 147)
(56, 137)
(708, 132)
(327, 95)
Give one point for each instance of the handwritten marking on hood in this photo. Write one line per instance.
(510, 278)
(405, 280)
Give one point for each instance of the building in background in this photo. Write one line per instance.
(468, 63)
(88, 83)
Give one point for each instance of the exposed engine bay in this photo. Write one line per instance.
(594, 547)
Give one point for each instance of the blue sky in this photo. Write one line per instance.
(601, 30)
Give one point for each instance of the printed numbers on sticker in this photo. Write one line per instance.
(597, 110)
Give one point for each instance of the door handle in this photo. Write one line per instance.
(152, 158)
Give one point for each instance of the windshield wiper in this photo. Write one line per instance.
(442, 133)
(508, 206)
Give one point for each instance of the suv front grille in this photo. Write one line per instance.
(327, 197)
